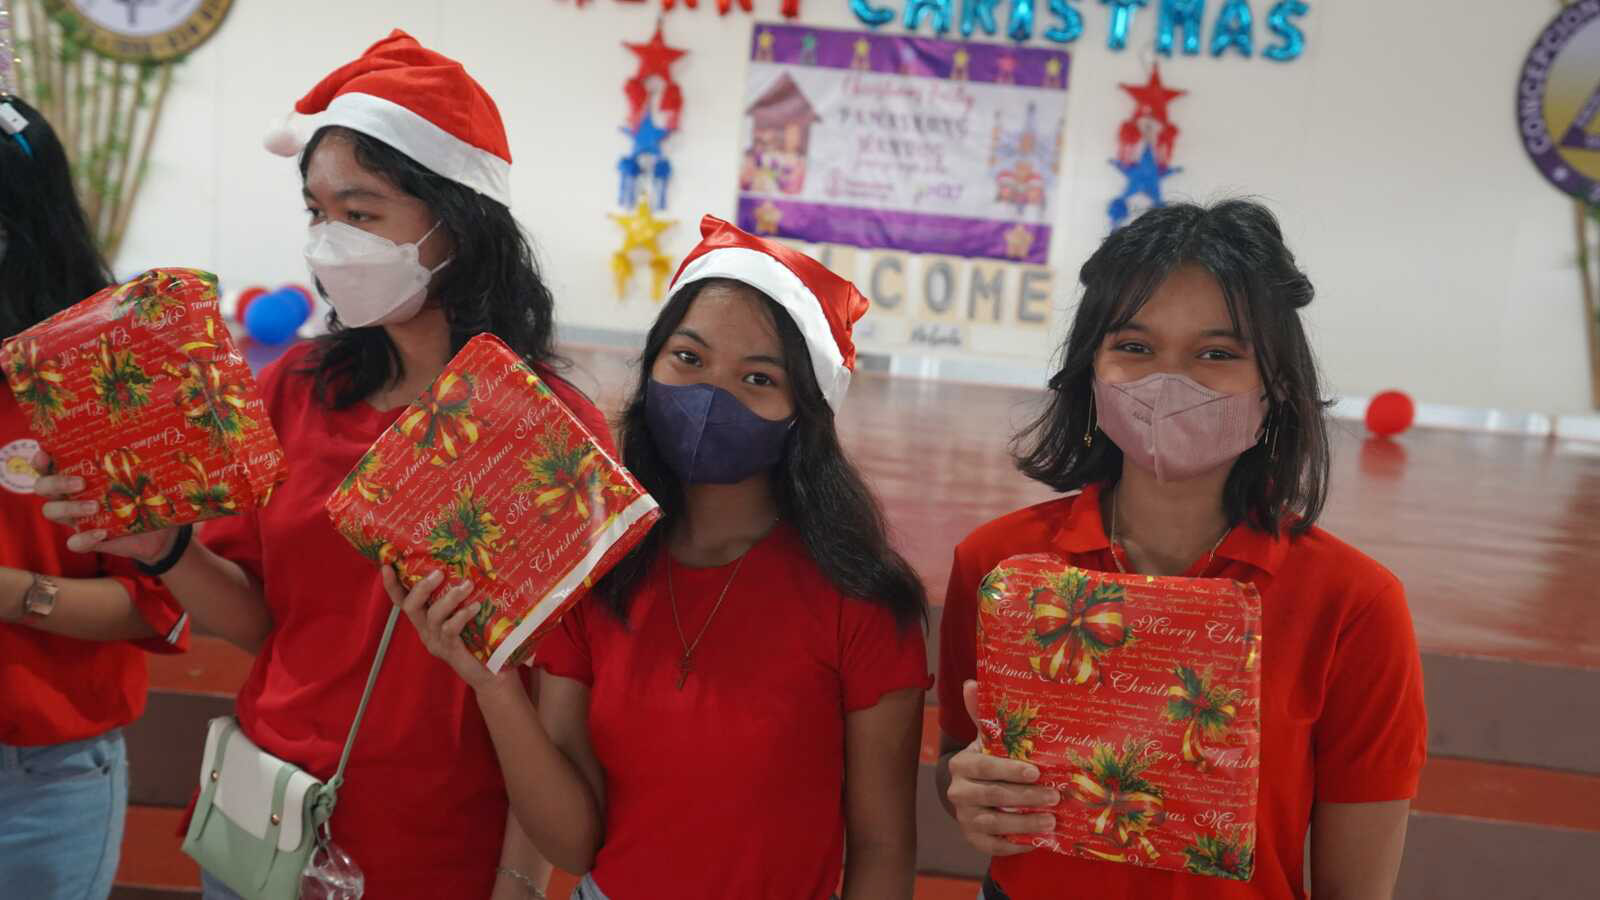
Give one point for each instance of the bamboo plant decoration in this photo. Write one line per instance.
(106, 111)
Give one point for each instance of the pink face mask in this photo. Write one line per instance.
(1177, 427)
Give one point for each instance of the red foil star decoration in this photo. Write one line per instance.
(655, 61)
(655, 57)
(1150, 99)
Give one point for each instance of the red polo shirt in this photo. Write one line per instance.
(56, 689)
(1342, 716)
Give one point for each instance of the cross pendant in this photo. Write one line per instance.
(685, 666)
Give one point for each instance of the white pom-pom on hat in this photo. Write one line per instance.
(282, 140)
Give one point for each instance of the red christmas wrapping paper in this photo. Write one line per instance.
(489, 477)
(1138, 698)
(140, 391)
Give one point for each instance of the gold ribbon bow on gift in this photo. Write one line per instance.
(38, 385)
(1207, 709)
(1122, 816)
(442, 421)
(133, 496)
(1075, 625)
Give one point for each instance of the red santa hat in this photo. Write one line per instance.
(824, 306)
(419, 102)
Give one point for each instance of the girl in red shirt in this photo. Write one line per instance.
(737, 704)
(411, 240)
(1186, 424)
(73, 627)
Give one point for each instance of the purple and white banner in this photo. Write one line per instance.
(905, 143)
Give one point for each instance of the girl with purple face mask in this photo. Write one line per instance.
(735, 710)
(1186, 427)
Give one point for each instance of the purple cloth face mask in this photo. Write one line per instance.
(1176, 427)
(707, 436)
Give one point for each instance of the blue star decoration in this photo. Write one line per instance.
(647, 137)
(1144, 177)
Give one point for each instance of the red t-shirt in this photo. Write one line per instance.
(56, 689)
(1342, 717)
(423, 808)
(733, 786)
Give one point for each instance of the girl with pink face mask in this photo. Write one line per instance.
(1186, 429)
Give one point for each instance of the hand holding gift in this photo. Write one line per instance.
(488, 479)
(990, 795)
(146, 411)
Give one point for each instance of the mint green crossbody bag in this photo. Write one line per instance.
(259, 819)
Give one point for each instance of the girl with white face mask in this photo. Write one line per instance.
(405, 182)
(1186, 424)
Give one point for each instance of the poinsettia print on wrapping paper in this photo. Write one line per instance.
(1138, 698)
(140, 391)
(489, 477)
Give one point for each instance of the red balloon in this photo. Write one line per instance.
(246, 296)
(1390, 413)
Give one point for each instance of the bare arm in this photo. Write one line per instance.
(881, 744)
(219, 595)
(1356, 849)
(90, 609)
(517, 854)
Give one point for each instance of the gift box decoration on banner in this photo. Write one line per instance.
(489, 477)
(1138, 698)
(140, 391)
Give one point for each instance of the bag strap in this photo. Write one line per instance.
(330, 791)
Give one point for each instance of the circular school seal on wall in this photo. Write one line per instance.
(1558, 101)
(17, 473)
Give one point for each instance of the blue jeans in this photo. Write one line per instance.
(61, 814)
(212, 888)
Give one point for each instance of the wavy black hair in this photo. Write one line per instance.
(1280, 482)
(492, 284)
(51, 260)
(818, 490)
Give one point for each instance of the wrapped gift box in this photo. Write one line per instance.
(1138, 698)
(489, 477)
(140, 391)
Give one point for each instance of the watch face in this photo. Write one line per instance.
(144, 30)
(136, 18)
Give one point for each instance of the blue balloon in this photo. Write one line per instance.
(916, 10)
(1184, 14)
(978, 13)
(1294, 40)
(1071, 23)
(274, 318)
(869, 14)
(1233, 28)
(1121, 18)
(1020, 26)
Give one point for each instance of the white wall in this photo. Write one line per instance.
(1443, 261)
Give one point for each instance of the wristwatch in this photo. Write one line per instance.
(40, 600)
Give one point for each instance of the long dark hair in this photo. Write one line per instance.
(1283, 480)
(819, 492)
(51, 260)
(492, 284)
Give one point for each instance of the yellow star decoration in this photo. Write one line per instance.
(1019, 241)
(640, 230)
(1052, 73)
(768, 215)
(862, 59)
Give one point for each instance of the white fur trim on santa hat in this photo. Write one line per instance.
(435, 149)
(777, 281)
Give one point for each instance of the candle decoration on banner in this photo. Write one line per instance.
(1145, 144)
(655, 109)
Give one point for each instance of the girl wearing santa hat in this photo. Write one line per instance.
(405, 176)
(736, 706)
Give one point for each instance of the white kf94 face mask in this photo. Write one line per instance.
(370, 280)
